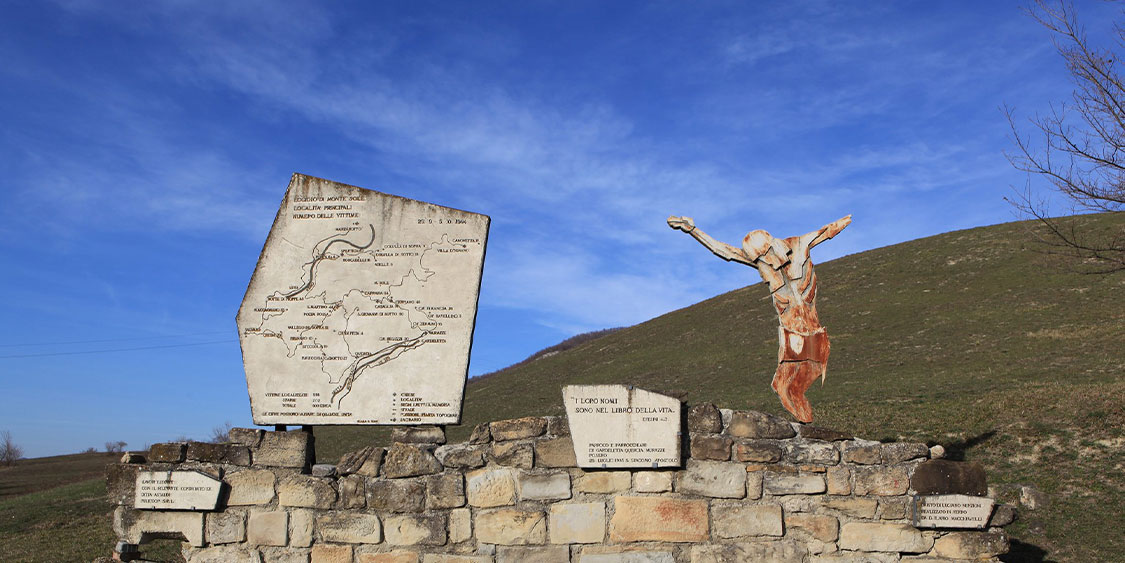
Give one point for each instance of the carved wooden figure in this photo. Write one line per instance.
(785, 265)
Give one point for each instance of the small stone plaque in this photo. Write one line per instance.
(177, 490)
(622, 426)
(951, 511)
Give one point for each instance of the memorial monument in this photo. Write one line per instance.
(361, 308)
(786, 266)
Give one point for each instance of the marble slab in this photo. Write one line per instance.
(176, 490)
(622, 426)
(951, 511)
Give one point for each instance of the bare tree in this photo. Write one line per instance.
(1083, 146)
(115, 447)
(9, 450)
(220, 434)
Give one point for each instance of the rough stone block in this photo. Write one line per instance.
(812, 452)
(460, 525)
(410, 460)
(397, 556)
(513, 454)
(280, 555)
(327, 553)
(652, 481)
(510, 526)
(857, 507)
(396, 495)
(284, 449)
(306, 492)
(213, 554)
(353, 491)
(230, 454)
(518, 428)
(349, 527)
(839, 480)
(364, 462)
(704, 418)
(791, 484)
(863, 452)
(603, 482)
(711, 446)
(445, 490)
(658, 519)
(881, 480)
(544, 486)
(758, 451)
(461, 456)
(777, 551)
(481, 434)
(856, 557)
(737, 520)
(545, 554)
(713, 479)
(268, 528)
(447, 558)
(753, 424)
(557, 426)
(555, 452)
(945, 477)
(893, 508)
(817, 433)
(904, 451)
(418, 435)
(821, 527)
(1003, 515)
(245, 436)
(138, 526)
(971, 545)
(228, 527)
(323, 470)
(301, 524)
(632, 556)
(868, 536)
(486, 488)
(121, 484)
(754, 484)
(172, 452)
(577, 522)
(415, 530)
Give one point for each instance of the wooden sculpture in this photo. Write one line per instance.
(786, 267)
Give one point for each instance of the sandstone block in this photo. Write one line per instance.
(460, 525)
(713, 479)
(971, 545)
(481, 434)
(517, 428)
(555, 452)
(396, 556)
(230, 454)
(652, 481)
(306, 492)
(301, 527)
(349, 527)
(213, 554)
(737, 520)
(415, 530)
(364, 462)
(577, 522)
(863, 452)
(881, 480)
(461, 456)
(544, 486)
(172, 452)
(868, 536)
(1002, 515)
(323, 470)
(812, 452)
(904, 451)
(791, 484)
(512, 454)
(284, 449)
(821, 527)
(245, 436)
(753, 424)
(893, 508)
(410, 460)
(327, 553)
(711, 446)
(353, 491)
(943, 477)
(445, 490)
(280, 555)
(839, 479)
(557, 426)
(758, 451)
(396, 495)
(603, 482)
(486, 488)
(658, 519)
(446, 558)
(777, 551)
(754, 484)
(418, 435)
(267, 528)
(228, 527)
(510, 526)
(704, 418)
(857, 507)
(252, 486)
(137, 526)
(121, 484)
(545, 554)
(630, 556)
(817, 433)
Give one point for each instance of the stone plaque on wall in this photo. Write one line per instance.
(951, 511)
(361, 308)
(622, 426)
(176, 490)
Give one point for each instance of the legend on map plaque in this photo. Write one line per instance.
(361, 309)
(622, 426)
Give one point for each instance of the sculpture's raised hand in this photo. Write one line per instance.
(685, 224)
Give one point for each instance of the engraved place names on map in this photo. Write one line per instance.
(361, 309)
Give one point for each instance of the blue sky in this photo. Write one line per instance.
(146, 146)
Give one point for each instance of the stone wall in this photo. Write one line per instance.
(753, 488)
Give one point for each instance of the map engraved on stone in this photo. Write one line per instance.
(951, 511)
(361, 308)
(176, 490)
(622, 426)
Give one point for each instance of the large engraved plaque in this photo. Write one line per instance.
(361, 309)
(620, 426)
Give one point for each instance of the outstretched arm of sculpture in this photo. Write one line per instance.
(721, 249)
(826, 232)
